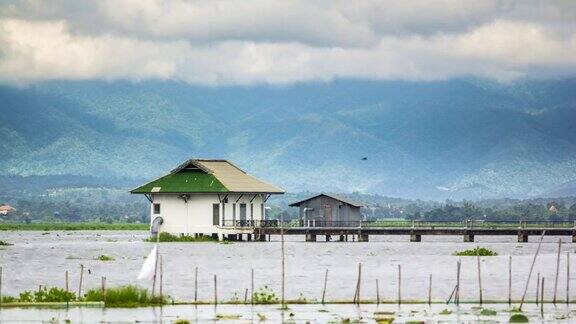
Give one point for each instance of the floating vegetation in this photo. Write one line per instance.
(488, 312)
(476, 251)
(264, 295)
(385, 320)
(518, 318)
(167, 237)
(44, 295)
(104, 258)
(445, 311)
(228, 316)
(125, 296)
(181, 321)
(4, 243)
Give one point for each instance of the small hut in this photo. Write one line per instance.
(329, 210)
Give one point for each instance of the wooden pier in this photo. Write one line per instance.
(362, 232)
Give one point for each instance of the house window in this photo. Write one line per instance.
(216, 214)
(156, 208)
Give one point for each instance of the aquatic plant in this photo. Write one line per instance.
(44, 295)
(125, 296)
(228, 316)
(261, 316)
(167, 237)
(104, 258)
(518, 318)
(488, 312)
(4, 243)
(385, 320)
(181, 321)
(9, 299)
(264, 295)
(476, 251)
(445, 312)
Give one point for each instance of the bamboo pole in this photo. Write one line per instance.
(537, 287)
(430, 290)
(246, 296)
(531, 268)
(325, 284)
(479, 275)
(252, 286)
(357, 291)
(510, 280)
(457, 294)
(80, 282)
(557, 271)
(104, 289)
(567, 278)
(0, 285)
(66, 281)
(215, 290)
(399, 284)
(377, 293)
(161, 277)
(542, 297)
(283, 256)
(195, 284)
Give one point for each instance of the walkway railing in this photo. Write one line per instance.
(469, 224)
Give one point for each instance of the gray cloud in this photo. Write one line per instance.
(244, 42)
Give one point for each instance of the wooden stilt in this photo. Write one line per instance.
(325, 284)
(195, 284)
(399, 284)
(80, 282)
(479, 276)
(567, 278)
(430, 290)
(377, 293)
(510, 280)
(215, 290)
(537, 287)
(542, 297)
(66, 281)
(252, 286)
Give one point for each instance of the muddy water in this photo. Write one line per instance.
(42, 258)
(295, 314)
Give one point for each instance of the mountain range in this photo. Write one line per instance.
(462, 138)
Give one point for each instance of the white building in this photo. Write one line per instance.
(208, 197)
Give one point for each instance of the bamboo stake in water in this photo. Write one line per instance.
(195, 284)
(80, 282)
(358, 284)
(479, 275)
(457, 295)
(325, 283)
(510, 280)
(542, 297)
(567, 278)
(531, 268)
(104, 289)
(537, 287)
(246, 296)
(252, 286)
(0, 285)
(557, 271)
(283, 257)
(66, 280)
(215, 291)
(161, 277)
(399, 284)
(377, 293)
(430, 290)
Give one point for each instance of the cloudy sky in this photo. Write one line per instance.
(217, 42)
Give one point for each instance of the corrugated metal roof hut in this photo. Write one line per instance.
(329, 210)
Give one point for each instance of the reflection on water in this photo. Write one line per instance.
(295, 313)
(42, 258)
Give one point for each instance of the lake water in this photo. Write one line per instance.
(38, 258)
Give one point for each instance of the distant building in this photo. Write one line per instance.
(6, 209)
(210, 197)
(329, 210)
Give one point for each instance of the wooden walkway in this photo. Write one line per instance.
(415, 233)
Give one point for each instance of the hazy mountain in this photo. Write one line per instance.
(465, 138)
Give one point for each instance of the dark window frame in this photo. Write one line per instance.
(156, 209)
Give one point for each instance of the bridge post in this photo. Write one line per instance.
(328, 238)
(363, 238)
(468, 237)
(341, 237)
(310, 237)
(415, 237)
(239, 237)
(574, 235)
(522, 237)
(248, 237)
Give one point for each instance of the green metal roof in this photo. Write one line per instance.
(182, 182)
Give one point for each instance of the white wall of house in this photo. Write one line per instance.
(196, 215)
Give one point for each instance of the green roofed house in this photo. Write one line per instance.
(207, 197)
